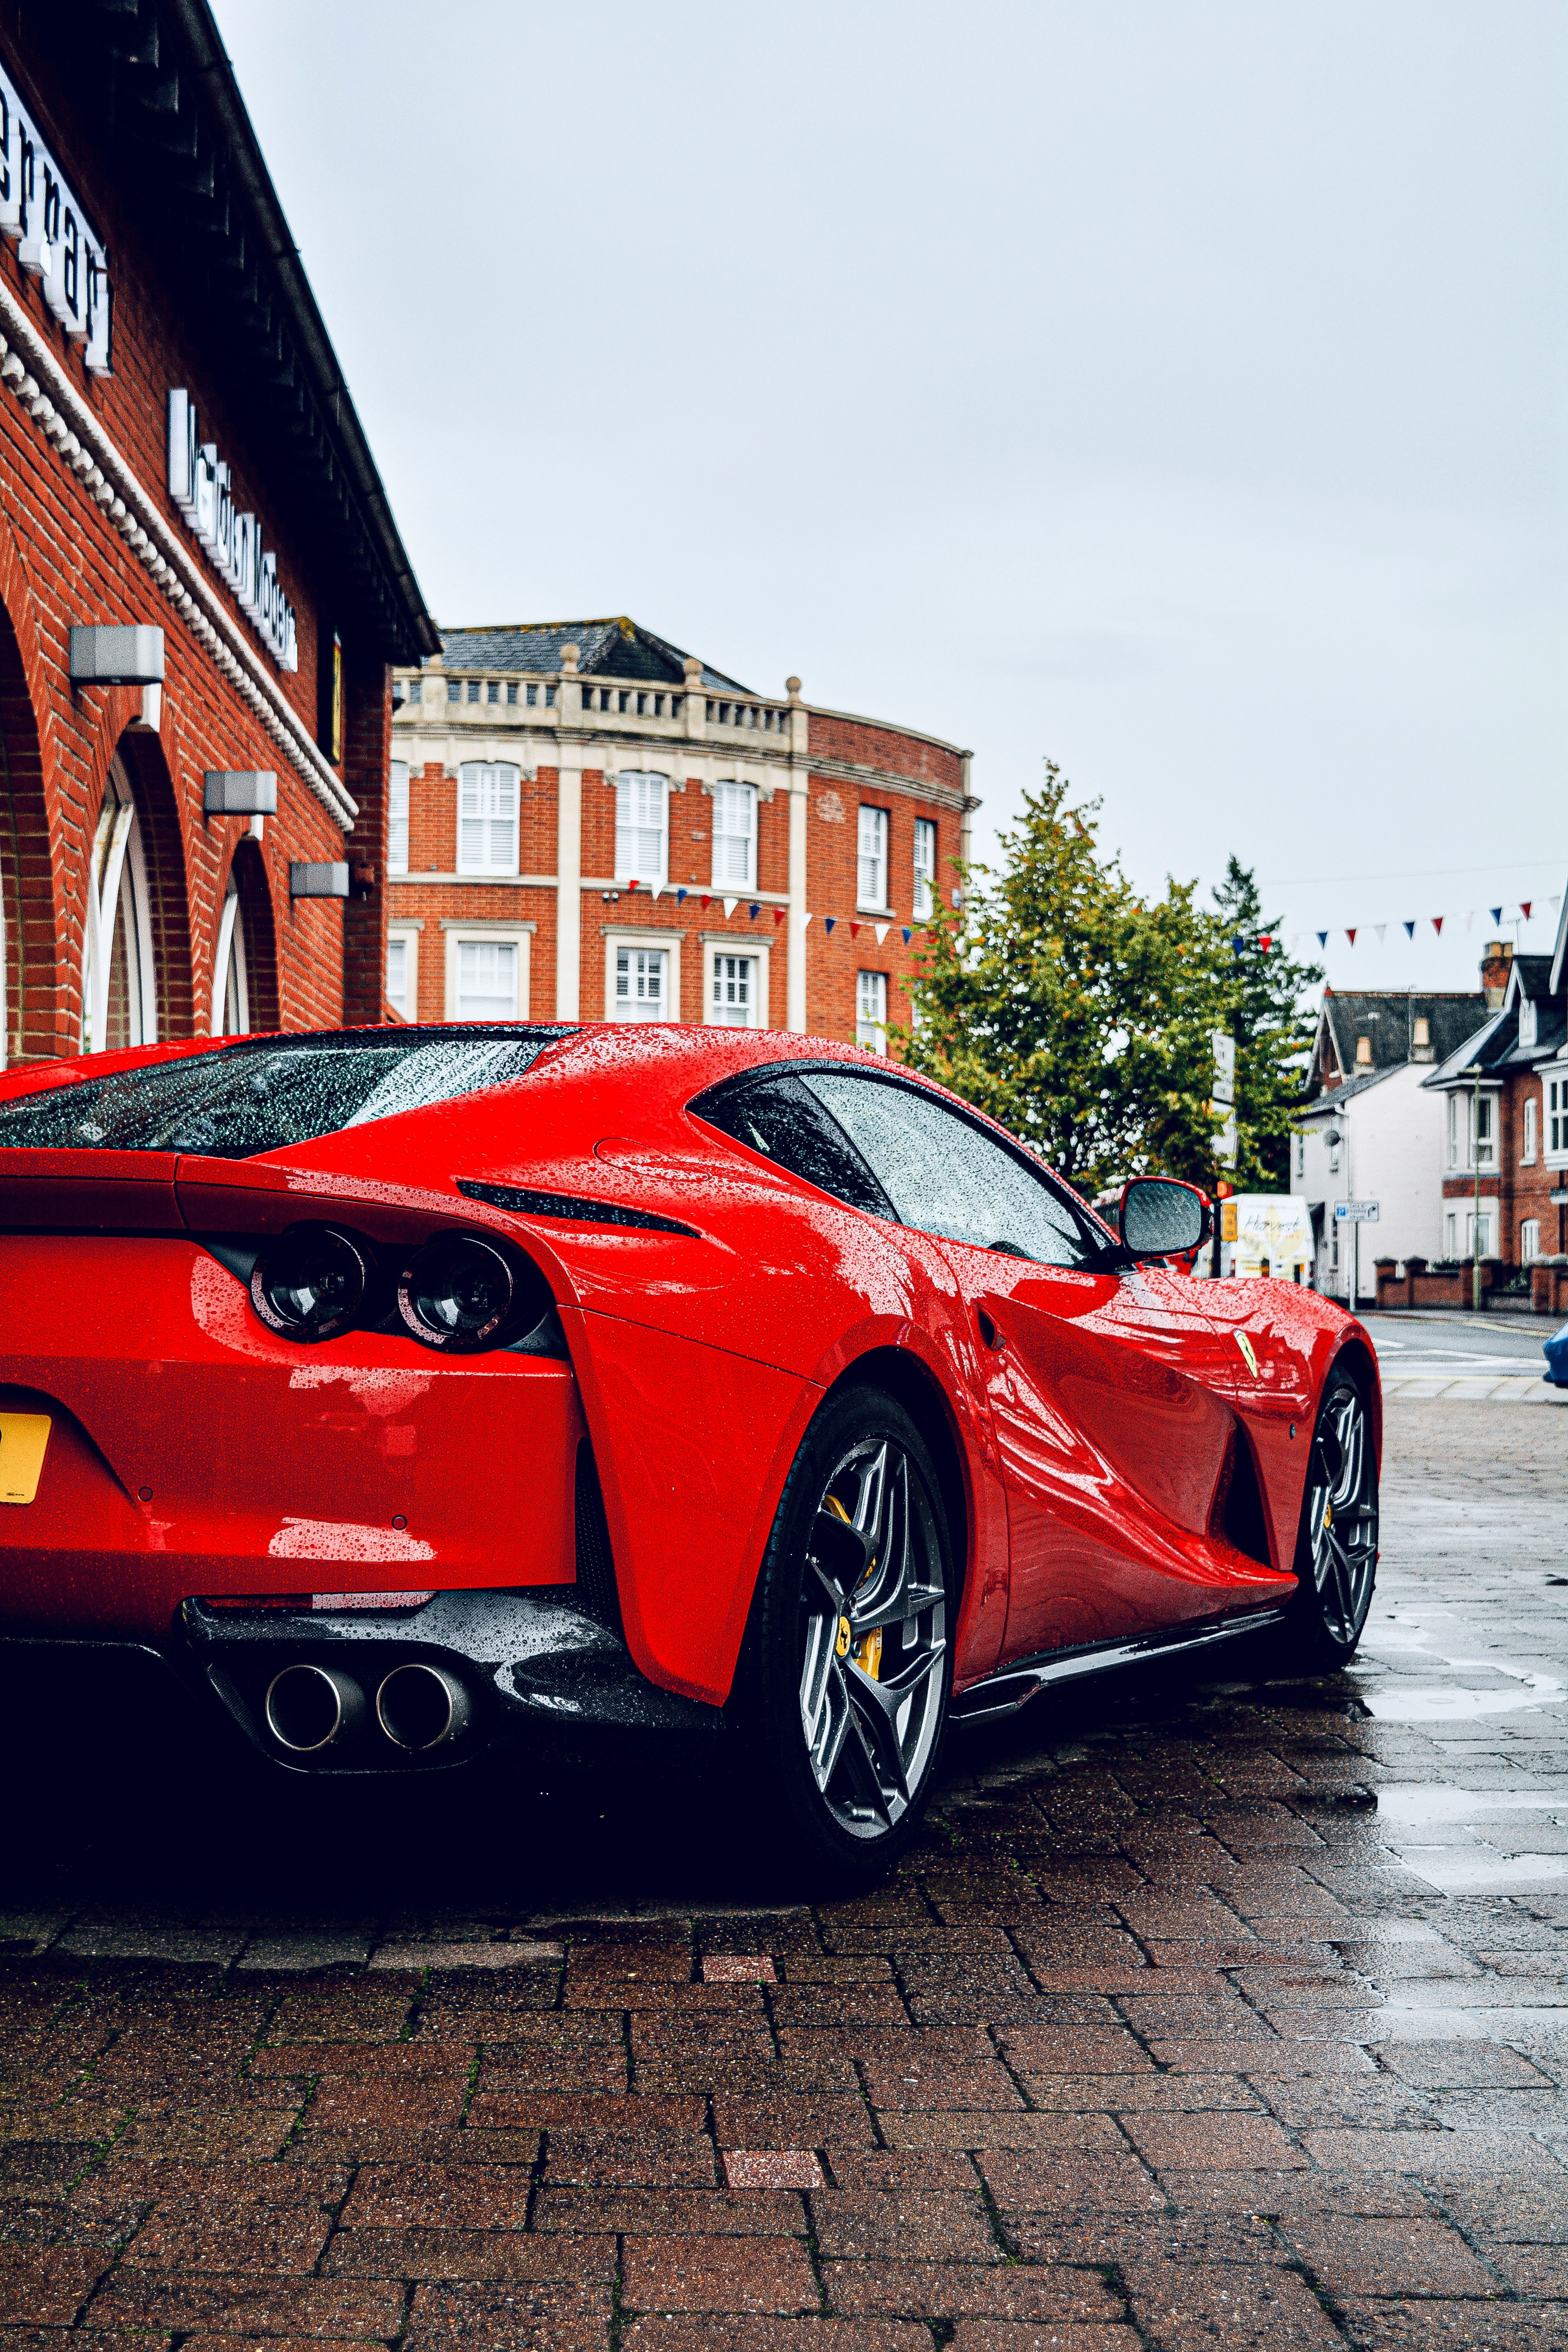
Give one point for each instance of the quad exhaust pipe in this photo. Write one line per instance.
(420, 1706)
(311, 1708)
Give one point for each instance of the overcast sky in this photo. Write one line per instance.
(1176, 392)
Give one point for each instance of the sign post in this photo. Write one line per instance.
(1223, 1097)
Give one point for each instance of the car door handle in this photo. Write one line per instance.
(989, 1333)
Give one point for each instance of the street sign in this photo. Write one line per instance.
(1224, 1142)
(1359, 1212)
(1223, 1069)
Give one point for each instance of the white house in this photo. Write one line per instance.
(1369, 1133)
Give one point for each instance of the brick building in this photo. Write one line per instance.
(1505, 1102)
(588, 824)
(201, 586)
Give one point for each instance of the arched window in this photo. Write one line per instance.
(231, 980)
(120, 975)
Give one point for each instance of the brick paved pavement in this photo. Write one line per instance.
(1205, 2015)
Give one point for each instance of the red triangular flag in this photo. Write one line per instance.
(854, 931)
(1524, 907)
(707, 900)
(1351, 936)
(1266, 940)
(779, 914)
(1438, 922)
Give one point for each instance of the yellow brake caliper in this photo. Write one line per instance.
(868, 1649)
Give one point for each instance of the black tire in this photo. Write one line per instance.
(841, 1700)
(1336, 1548)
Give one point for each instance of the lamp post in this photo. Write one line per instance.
(1333, 1138)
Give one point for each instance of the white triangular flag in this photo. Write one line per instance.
(881, 930)
(729, 907)
(1380, 929)
(659, 889)
(806, 922)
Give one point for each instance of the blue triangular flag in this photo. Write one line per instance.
(828, 921)
(680, 897)
(909, 935)
(1410, 931)
(1497, 914)
(753, 908)
(1322, 939)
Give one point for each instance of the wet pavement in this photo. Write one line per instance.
(1432, 1351)
(1206, 2013)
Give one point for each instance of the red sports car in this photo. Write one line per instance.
(397, 1392)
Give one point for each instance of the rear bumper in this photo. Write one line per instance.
(526, 1660)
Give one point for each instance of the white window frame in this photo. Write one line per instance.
(1555, 1091)
(865, 1018)
(1531, 1130)
(397, 816)
(409, 933)
(1527, 1030)
(1484, 1116)
(745, 804)
(492, 777)
(118, 892)
(459, 930)
(1529, 1239)
(720, 943)
(925, 868)
(231, 981)
(616, 937)
(627, 783)
(872, 862)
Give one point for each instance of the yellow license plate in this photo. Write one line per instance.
(22, 1438)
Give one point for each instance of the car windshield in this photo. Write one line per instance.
(265, 1093)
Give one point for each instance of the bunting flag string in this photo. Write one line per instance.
(1525, 909)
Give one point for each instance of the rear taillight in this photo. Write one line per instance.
(462, 1294)
(313, 1283)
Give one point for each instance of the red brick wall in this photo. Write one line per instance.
(63, 562)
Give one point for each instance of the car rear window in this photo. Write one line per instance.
(260, 1095)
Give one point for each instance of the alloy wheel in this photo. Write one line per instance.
(1341, 1514)
(873, 1638)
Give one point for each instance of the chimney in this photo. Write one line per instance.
(1421, 1040)
(1496, 964)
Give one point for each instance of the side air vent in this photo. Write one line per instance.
(597, 1594)
(1240, 1504)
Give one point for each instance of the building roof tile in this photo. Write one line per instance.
(617, 647)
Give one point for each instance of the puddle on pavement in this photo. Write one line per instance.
(1412, 1807)
(1395, 1700)
(1461, 1870)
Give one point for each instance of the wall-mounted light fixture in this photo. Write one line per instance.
(319, 878)
(239, 791)
(117, 656)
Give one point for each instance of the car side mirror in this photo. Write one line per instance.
(1162, 1217)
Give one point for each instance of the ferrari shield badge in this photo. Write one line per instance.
(1245, 1344)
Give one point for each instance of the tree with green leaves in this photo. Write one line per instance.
(1080, 1015)
(1272, 1031)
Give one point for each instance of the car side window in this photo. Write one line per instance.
(779, 1118)
(949, 1178)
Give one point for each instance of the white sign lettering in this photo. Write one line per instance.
(43, 219)
(199, 486)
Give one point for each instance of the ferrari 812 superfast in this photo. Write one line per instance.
(388, 1395)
